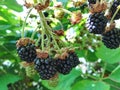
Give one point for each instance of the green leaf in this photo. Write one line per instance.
(91, 56)
(114, 85)
(65, 81)
(109, 55)
(115, 75)
(8, 16)
(6, 79)
(90, 85)
(12, 4)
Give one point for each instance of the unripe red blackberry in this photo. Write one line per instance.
(96, 23)
(111, 39)
(113, 9)
(45, 67)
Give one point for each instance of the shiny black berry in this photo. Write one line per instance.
(73, 59)
(63, 66)
(96, 23)
(92, 1)
(111, 39)
(45, 67)
(66, 65)
(27, 53)
(115, 4)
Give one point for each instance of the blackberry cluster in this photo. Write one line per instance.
(27, 53)
(45, 67)
(111, 39)
(115, 4)
(96, 23)
(66, 65)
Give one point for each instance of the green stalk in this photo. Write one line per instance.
(115, 69)
(24, 23)
(42, 20)
(51, 33)
(33, 34)
(103, 73)
(118, 8)
(111, 5)
(55, 20)
(65, 10)
(46, 29)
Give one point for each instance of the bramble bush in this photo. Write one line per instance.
(60, 44)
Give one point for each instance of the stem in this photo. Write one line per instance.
(24, 23)
(37, 42)
(50, 31)
(118, 88)
(115, 69)
(111, 5)
(42, 20)
(47, 28)
(118, 8)
(56, 20)
(90, 76)
(33, 34)
(65, 10)
(103, 73)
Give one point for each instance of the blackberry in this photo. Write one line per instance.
(27, 53)
(96, 23)
(46, 14)
(73, 59)
(92, 1)
(63, 66)
(114, 6)
(45, 67)
(111, 39)
(66, 65)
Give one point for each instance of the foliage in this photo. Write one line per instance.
(101, 61)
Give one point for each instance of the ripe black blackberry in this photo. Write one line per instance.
(114, 6)
(92, 1)
(63, 66)
(96, 23)
(66, 65)
(45, 67)
(27, 53)
(111, 39)
(73, 59)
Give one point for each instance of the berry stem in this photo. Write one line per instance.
(37, 42)
(33, 34)
(55, 20)
(111, 5)
(103, 73)
(46, 29)
(65, 10)
(115, 69)
(118, 8)
(50, 31)
(24, 23)
(42, 20)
